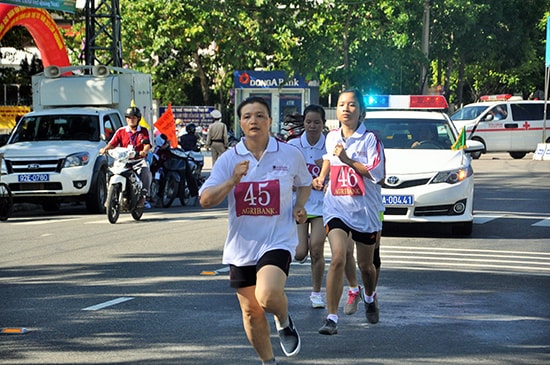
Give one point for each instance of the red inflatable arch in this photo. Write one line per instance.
(42, 28)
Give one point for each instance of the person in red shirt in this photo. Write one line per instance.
(133, 134)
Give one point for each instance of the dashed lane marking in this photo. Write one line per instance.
(542, 223)
(107, 304)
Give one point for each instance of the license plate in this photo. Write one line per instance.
(406, 200)
(34, 178)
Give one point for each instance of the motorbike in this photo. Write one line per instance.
(169, 180)
(195, 163)
(125, 189)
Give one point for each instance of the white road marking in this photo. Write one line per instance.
(484, 218)
(543, 223)
(107, 304)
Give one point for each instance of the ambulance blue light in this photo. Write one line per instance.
(377, 101)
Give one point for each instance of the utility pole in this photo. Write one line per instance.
(425, 47)
(103, 44)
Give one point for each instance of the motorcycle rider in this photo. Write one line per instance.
(133, 134)
(189, 142)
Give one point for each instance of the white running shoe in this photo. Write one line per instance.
(317, 301)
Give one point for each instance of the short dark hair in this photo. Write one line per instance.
(252, 100)
(317, 109)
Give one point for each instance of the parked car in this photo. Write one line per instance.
(429, 176)
(504, 123)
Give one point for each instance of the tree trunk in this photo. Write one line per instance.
(203, 79)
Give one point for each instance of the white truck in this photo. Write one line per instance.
(52, 154)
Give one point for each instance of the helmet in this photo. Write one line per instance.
(133, 112)
(216, 114)
(190, 128)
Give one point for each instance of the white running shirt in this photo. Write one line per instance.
(350, 196)
(260, 206)
(314, 205)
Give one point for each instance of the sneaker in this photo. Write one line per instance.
(329, 328)
(353, 299)
(372, 311)
(290, 339)
(302, 261)
(317, 301)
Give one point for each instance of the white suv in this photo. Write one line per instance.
(426, 179)
(52, 156)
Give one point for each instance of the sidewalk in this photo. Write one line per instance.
(207, 161)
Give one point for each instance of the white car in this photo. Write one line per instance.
(429, 177)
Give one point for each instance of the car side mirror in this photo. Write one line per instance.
(488, 117)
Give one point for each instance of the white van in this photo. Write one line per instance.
(504, 124)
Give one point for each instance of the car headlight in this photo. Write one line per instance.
(77, 159)
(3, 167)
(452, 176)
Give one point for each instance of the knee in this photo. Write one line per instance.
(267, 298)
(252, 313)
(338, 263)
(316, 253)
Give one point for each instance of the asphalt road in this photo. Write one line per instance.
(132, 293)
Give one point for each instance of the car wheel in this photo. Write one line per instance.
(95, 201)
(6, 202)
(462, 228)
(517, 155)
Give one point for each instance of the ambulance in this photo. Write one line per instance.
(505, 124)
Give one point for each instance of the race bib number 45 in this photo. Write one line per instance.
(346, 181)
(258, 198)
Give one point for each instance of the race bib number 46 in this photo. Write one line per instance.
(346, 181)
(258, 198)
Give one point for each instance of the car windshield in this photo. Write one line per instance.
(57, 127)
(469, 112)
(412, 133)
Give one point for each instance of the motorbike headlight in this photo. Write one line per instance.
(452, 176)
(77, 159)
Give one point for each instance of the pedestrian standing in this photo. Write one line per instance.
(217, 138)
(257, 178)
(354, 158)
(311, 234)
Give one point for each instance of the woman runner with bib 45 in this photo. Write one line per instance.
(354, 159)
(257, 177)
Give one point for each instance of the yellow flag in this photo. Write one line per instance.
(142, 121)
(460, 141)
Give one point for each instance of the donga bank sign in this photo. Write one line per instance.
(266, 79)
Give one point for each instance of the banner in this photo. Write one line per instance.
(9, 115)
(68, 6)
(42, 28)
